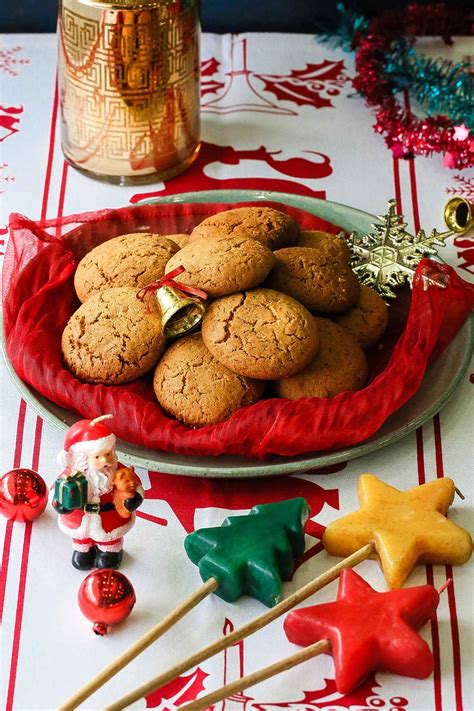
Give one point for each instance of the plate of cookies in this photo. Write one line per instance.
(226, 333)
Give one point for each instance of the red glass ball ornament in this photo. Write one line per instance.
(106, 597)
(23, 495)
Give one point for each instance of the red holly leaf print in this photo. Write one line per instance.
(328, 698)
(208, 68)
(211, 87)
(178, 691)
(312, 86)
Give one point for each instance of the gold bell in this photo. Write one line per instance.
(180, 313)
(458, 215)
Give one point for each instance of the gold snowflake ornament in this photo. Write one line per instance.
(387, 257)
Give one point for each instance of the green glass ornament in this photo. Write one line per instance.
(251, 555)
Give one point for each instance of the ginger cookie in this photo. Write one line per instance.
(270, 227)
(321, 283)
(133, 260)
(368, 319)
(325, 242)
(223, 265)
(261, 334)
(193, 386)
(112, 339)
(339, 365)
(180, 239)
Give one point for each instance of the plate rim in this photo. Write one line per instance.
(254, 467)
(261, 468)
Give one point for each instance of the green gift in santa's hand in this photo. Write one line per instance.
(251, 555)
(70, 492)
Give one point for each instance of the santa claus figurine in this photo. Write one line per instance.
(84, 496)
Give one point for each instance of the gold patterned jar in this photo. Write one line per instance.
(129, 87)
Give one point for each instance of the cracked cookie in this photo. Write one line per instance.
(368, 319)
(321, 283)
(133, 260)
(223, 265)
(112, 339)
(326, 243)
(193, 386)
(180, 239)
(270, 227)
(339, 365)
(261, 334)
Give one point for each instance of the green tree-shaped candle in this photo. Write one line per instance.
(251, 555)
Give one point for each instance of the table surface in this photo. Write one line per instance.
(47, 648)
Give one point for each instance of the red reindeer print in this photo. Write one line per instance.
(9, 121)
(465, 253)
(258, 169)
(464, 187)
(185, 495)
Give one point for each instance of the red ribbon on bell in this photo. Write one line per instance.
(169, 280)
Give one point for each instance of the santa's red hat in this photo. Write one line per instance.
(87, 437)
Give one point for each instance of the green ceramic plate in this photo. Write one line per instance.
(439, 383)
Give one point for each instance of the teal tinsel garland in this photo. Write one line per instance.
(440, 86)
(350, 24)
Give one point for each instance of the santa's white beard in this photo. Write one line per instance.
(98, 481)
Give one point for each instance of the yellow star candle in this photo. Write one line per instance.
(406, 527)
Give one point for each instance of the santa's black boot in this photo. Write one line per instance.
(106, 559)
(84, 560)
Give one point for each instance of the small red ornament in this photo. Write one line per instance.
(23, 495)
(106, 597)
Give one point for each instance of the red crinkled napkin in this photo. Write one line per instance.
(39, 298)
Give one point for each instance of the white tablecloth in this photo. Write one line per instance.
(47, 648)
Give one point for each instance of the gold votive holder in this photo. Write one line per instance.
(129, 87)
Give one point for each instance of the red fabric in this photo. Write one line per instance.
(39, 297)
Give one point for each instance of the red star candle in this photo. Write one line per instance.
(23, 495)
(405, 527)
(369, 631)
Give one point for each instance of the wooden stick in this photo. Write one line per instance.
(239, 634)
(141, 644)
(251, 679)
(459, 493)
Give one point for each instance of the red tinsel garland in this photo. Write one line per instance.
(405, 134)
